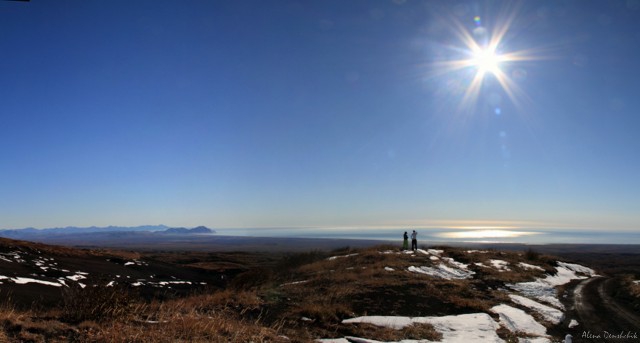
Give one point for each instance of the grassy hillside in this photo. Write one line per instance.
(261, 297)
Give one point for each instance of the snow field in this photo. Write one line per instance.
(544, 289)
(473, 327)
(516, 320)
(550, 314)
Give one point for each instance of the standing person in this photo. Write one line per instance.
(414, 241)
(405, 242)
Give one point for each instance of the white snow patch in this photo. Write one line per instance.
(530, 266)
(573, 323)
(389, 269)
(76, 277)
(455, 263)
(434, 258)
(111, 283)
(578, 268)
(477, 251)
(164, 283)
(534, 340)
(436, 252)
(25, 280)
(157, 321)
(550, 314)
(452, 270)
(637, 282)
(538, 290)
(517, 320)
(136, 262)
(474, 327)
(443, 271)
(564, 275)
(500, 265)
(394, 322)
(341, 256)
(544, 289)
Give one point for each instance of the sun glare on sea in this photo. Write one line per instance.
(483, 234)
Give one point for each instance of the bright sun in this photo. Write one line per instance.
(486, 60)
(484, 54)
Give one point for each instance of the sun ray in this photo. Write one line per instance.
(484, 54)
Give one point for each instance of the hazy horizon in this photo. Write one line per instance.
(428, 235)
(319, 114)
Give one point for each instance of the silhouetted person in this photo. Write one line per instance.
(414, 241)
(405, 242)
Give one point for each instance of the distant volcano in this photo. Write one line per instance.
(185, 231)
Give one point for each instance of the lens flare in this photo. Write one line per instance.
(482, 54)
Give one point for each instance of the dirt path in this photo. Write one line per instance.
(599, 314)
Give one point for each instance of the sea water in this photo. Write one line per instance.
(523, 235)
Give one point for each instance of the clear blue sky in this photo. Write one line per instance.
(317, 113)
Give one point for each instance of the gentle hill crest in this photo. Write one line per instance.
(381, 293)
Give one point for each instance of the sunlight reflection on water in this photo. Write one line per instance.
(484, 234)
(478, 235)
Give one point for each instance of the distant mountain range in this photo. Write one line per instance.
(183, 231)
(31, 233)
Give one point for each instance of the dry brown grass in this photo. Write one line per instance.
(416, 331)
(303, 296)
(98, 304)
(217, 317)
(181, 327)
(421, 331)
(26, 326)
